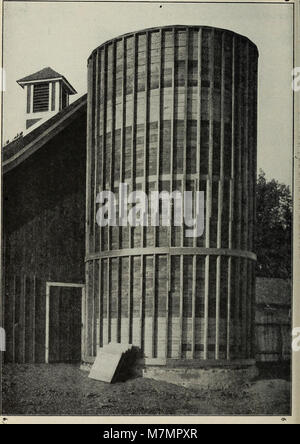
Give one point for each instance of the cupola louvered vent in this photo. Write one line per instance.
(47, 93)
(41, 97)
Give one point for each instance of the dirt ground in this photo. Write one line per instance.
(61, 389)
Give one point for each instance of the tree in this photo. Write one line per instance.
(274, 228)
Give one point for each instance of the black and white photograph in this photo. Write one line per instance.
(148, 184)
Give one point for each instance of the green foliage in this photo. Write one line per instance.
(274, 228)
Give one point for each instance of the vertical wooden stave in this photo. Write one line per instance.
(133, 133)
(181, 308)
(183, 189)
(198, 162)
(220, 204)
(154, 309)
(239, 211)
(47, 324)
(96, 141)
(108, 277)
(112, 163)
(14, 319)
(141, 320)
(254, 172)
(34, 318)
(130, 319)
(119, 300)
(209, 199)
(194, 289)
(88, 161)
(172, 147)
(146, 129)
(231, 205)
(100, 302)
(88, 201)
(245, 283)
(23, 318)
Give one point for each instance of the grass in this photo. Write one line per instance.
(62, 389)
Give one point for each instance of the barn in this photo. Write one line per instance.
(44, 225)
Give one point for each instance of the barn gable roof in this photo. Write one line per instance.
(24, 146)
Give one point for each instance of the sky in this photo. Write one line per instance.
(63, 34)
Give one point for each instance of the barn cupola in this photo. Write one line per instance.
(47, 93)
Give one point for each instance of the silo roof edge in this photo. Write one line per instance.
(157, 28)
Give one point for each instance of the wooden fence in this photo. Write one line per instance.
(273, 320)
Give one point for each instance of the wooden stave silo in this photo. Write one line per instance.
(197, 282)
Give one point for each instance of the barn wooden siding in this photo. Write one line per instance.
(24, 317)
(174, 108)
(44, 240)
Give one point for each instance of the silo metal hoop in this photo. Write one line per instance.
(174, 251)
